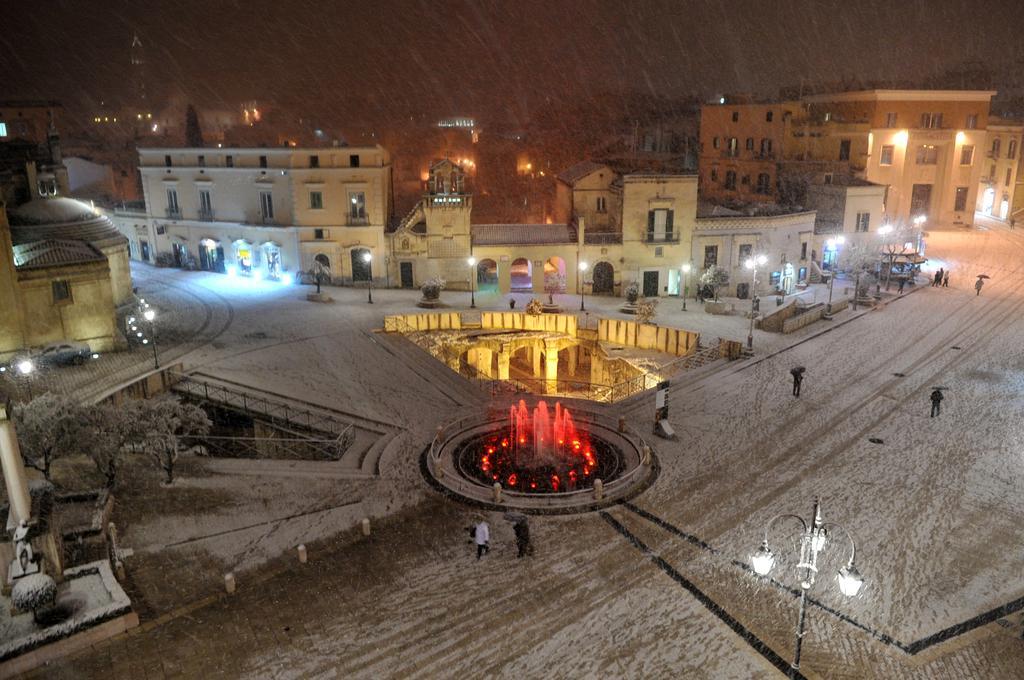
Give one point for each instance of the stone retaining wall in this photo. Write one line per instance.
(675, 341)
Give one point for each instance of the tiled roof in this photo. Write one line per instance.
(522, 234)
(62, 219)
(577, 172)
(55, 253)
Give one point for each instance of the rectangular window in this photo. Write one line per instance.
(601, 206)
(745, 251)
(266, 205)
(715, 142)
(357, 207)
(353, 161)
(768, 116)
(61, 291)
(992, 172)
(735, 116)
(927, 155)
(931, 120)
(972, 121)
(167, 160)
(318, 234)
(844, 149)
(710, 256)
(201, 160)
(229, 161)
(730, 180)
(734, 146)
(1011, 149)
(205, 203)
(714, 175)
(828, 178)
(316, 200)
(750, 143)
(172, 201)
(890, 119)
(314, 161)
(863, 222)
(960, 202)
(3, 129)
(885, 158)
(263, 161)
(1009, 175)
(803, 250)
(967, 154)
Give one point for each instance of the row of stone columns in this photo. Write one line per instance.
(481, 359)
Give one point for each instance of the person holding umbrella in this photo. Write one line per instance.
(979, 283)
(798, 378)
(937, 399)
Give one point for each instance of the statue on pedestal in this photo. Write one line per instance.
(24, 562)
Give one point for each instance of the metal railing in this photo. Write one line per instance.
(599, 238)
(206, 215)
(278, 412)
(173, 213)
(274, 448)
(668, 237)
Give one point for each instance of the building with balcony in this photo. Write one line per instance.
(1000, 174)
(265, 212)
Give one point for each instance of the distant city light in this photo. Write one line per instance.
(154, 127)
(721, 100)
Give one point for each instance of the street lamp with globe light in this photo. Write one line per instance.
(150, 316)
(367, 258)
(25, 368)
(583, 269)
(833, 245)
(686, 282)
(752, 264)
(814, 538)
(472, 282)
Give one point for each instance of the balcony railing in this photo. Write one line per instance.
(173, 213)
(601, 238)
(669, 237)
(355, 221)
(206, 215)
(267, 219)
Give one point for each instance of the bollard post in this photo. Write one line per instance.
(229, 583)
(645, 458)
(366, 526)
(622, 423)
(497, 492)
(302, 554)
(598, 489)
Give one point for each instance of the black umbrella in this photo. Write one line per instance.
(984, 276)
(797, 369)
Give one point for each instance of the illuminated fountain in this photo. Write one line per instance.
(538, 451)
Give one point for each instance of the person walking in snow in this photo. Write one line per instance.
(978, 285)
(482, 538)
(937, 279)
(903, 282)
(945, 280)
(936, 402)
(798, 378)
(522, 531)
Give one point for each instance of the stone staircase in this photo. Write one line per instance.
(455, 388)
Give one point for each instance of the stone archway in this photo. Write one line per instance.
(554, 275)
(604, 279)
(487, 275)
(522, 275)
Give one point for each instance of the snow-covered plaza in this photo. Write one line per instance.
(656, 587)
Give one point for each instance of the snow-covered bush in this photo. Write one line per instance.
(632, 292)
(646, 309)
(534, 307)
(714, 277)
(165, 260)
(33, 593)
(432, 288)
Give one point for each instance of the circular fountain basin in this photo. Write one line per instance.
(546, 459)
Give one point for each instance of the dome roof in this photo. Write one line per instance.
(64, 219)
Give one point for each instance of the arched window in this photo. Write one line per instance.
(1011, 149)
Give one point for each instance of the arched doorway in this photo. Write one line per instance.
(988, 201)
(788, 275)
(1004, 207)
(244, 256)
(272, 258)
(554, 275)
(211, 255)
(360, 267)
(604, 278)
(522, 275)
(487, 275)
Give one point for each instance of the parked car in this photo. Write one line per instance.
(64, 353)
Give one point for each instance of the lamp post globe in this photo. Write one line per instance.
(25, 366)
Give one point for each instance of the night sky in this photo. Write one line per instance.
(391, 58)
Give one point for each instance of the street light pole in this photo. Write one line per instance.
(833, 245)
(686, 282)
(367, 257)
(150, 316)
(814, 538)
(752, 264)
(583, 289)
(472, 282)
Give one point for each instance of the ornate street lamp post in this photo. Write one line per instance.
(583, 269)
(752, 264)
(150, 316)
(367, 258)
(815, 538)
(686, 282)
(472, 282)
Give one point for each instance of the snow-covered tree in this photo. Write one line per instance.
(167, 421)
(716, 277)
(646, 310)
(894, 239)
(50, 426)
(534, 307)
(115, 428)
(319, 273)
(33, 593)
